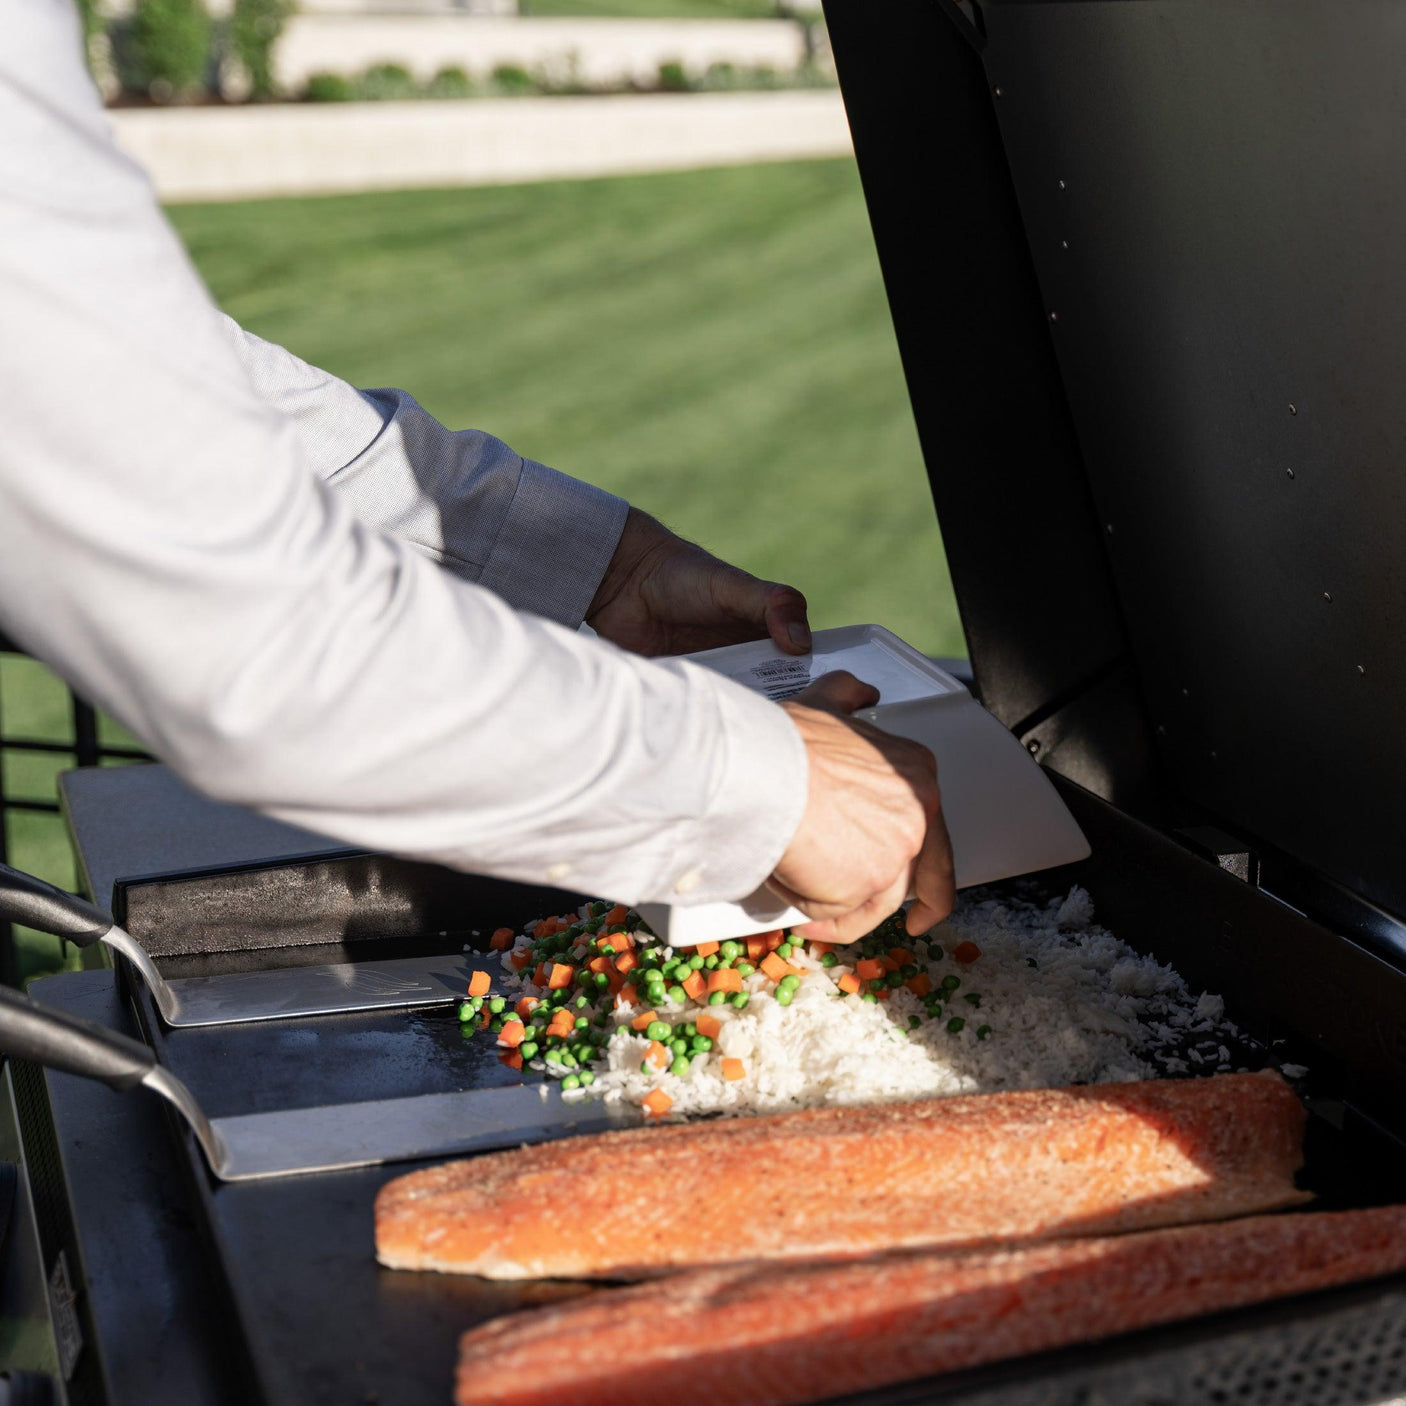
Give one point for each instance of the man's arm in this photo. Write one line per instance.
(535, 537)
(164, 545)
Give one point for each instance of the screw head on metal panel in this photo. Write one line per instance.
(1293, 410)
(1361, 671)
(1054, 317)
(1062, 186)
(1290, 472)
(997, 91)
(1033, 746)
(1064, 244)
(1328, 596)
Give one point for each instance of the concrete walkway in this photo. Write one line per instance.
(306, 149)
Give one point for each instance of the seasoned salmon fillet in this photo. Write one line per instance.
(837, 1181)
(763, 1335)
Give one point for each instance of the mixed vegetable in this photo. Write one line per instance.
(581, 980)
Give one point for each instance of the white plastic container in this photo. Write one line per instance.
(1004, 816)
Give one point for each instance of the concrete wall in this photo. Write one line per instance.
(602, 50)
(309, 148)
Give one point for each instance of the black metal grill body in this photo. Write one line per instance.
(269, 1291)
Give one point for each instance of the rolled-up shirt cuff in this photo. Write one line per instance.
(554, 545)
(756, 803)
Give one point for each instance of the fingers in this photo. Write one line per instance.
(934, 880)
(838, 692)
(864, 919)
(785, 617)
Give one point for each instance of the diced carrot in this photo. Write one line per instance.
(658, 1103)
(501, 940)
(484, 1019)
(520, 959)
(775, 967)
(901, 957)
(627, 995)
(849, 983)
(600, 964)
(513, 1033)
(561, 975)
(542, 927)
(614, 982)
(512, 1058)
(821, 949)
(539, 977)
(561, 1024)
(643, 1020)
(656, 1055)
(869, 968)
(695, 986)
(621, 941)
(724, 979)
(618, 914)
(756, 949)
(480, 983)
(706, 949)
(883, 993)
(733, 1070)
(919, 985)
(523, 1009)
(626, 962)
(966, 952)
(774, 939)
(709, 1025)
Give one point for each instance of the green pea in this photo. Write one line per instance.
(914, 1022)
(467, 1012)
(711, 961)
(656, 1030)
(696, 962)
(909, 971)
(955, 1024)
(829, 960)
(593, 924)
(581, 1002)
(606, 949)
(587, 1078)
(894, 980)
(679, 1066)
(600, 979)
(951, 983)
(678, 1047)
(528, 1049)
(871, 998)
(877, 984)
(973, 998)
(935, 952)
(476, 1002)
(789, 983)
(678, 995)
(701, 1044)
(739, 999)
(982, 1031)
(570, 1082)
(497, 1005)
(568, 1059)
(784, 951)
(783, 996)
(669, 968)
(690, 1030)
(597, 908)
(732, 950)
(745, 969)
(582, 1022)
(716, 998)
(553, 1056)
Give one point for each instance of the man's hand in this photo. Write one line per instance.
(872, 832)
(662, 595)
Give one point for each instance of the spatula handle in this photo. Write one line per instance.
(36, 904)
(61, 1041)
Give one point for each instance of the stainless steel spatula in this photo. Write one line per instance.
(242, 996)
(297, 1140)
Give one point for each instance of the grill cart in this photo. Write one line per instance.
(1144, 262)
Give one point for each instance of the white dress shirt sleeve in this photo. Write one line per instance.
(538, 538)
(167, 545)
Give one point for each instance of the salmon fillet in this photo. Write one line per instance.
(837, 1181)
(766, 1335)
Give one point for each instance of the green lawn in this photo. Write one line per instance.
(714, 345)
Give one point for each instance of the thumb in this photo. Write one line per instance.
(838, 692)
(778, 610)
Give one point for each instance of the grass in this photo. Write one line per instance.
(713, 345)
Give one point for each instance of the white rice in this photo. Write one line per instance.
(1065, 1000)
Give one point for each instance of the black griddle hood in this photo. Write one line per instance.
(1144, 262)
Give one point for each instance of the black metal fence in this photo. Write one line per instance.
(82, 746)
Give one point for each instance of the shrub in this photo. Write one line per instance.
(171, 45)
(673, 78)
(328, 88)
(722, 77)
(512, 81)
(254, 27)
(387, 82)
(451, 82)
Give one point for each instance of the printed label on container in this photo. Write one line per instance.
(777, 678)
